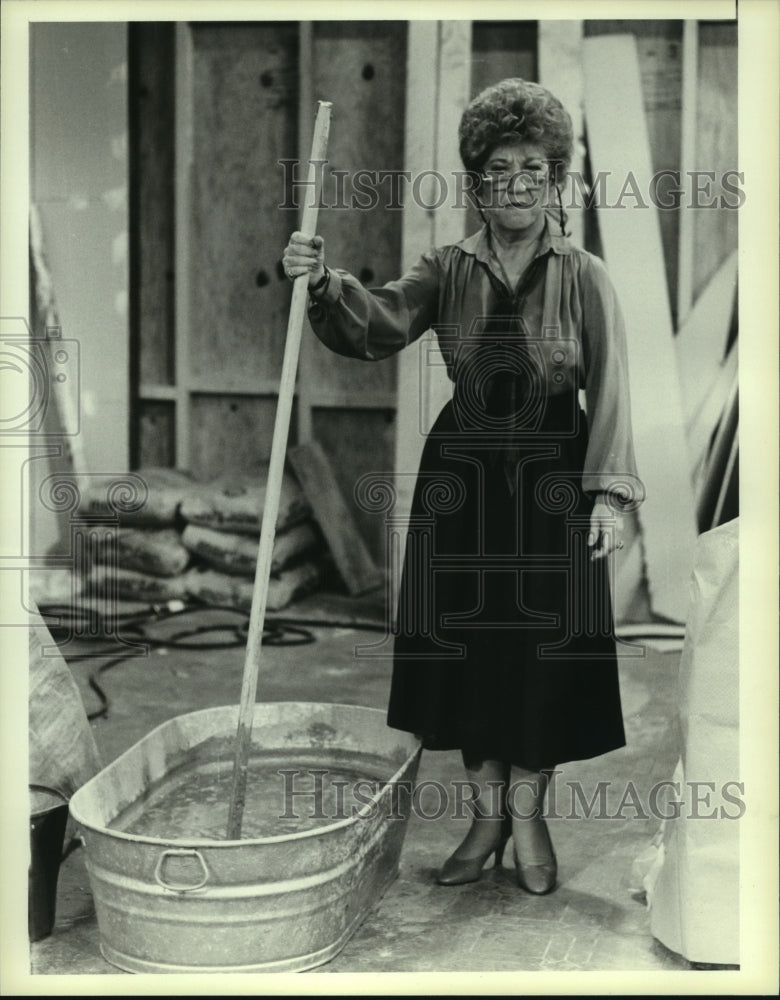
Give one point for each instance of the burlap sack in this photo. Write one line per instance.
(235, 504)
(132, 586)
(237, 554)
(158, 551)
(214, 587)
(147, 497)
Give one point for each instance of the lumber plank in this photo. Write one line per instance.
(631, 238)
(701, 341)
(690, 79)
(717, 134)
(708, 415)
(183, 140)
(334, 517)
(152, 124)
(438, 86)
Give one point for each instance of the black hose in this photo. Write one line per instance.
(276, 632)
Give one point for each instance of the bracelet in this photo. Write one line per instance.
(323, 282)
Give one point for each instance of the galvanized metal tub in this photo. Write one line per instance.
(273, 904)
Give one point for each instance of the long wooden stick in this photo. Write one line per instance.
(274, 486)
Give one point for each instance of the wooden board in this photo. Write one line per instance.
(718, 472)
(439, 63)
(715, 229)
(151, 53)
(499, 49)
(689, 102)
(701, 341)
(370, 439)
(659, 55)
(619, 143)
(708, 415)
(352, 558)
(156, 434)
(560, 70)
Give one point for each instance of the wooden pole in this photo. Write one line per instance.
(274, 486)
(307, 375)
(184, 142)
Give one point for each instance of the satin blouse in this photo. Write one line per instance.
(570, 316)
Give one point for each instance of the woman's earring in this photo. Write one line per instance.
(561, 213)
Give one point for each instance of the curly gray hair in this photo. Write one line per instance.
(516, 109)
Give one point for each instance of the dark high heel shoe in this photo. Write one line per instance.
(460, 871)
(541, 878)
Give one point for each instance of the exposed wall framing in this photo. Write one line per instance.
(211, 307)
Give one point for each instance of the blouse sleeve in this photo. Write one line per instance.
(373, 324)
(610, 465)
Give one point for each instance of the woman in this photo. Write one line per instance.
(504, 643)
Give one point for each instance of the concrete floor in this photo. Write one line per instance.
(596, 920)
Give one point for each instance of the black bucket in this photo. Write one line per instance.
(47, 836)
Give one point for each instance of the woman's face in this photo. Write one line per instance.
(515, 187)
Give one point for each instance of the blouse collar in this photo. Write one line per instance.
(478, 245)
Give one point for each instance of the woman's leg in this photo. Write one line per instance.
(535, 858)
(488, 780)
(488, 831)
(525, 802)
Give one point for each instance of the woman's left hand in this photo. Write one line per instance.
(606, 530)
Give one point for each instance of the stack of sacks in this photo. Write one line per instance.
(143, 555)
(147, 561)
(222, 533)
(200, 540)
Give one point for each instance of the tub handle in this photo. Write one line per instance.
(181, 853)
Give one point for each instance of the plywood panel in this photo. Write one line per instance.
(244, 114)
(156, 434)
(359, 66)
(358, 442)
(151, 138)
(715, 229)
(501, 49)
(230, 433)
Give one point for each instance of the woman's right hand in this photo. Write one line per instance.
(304, 255)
